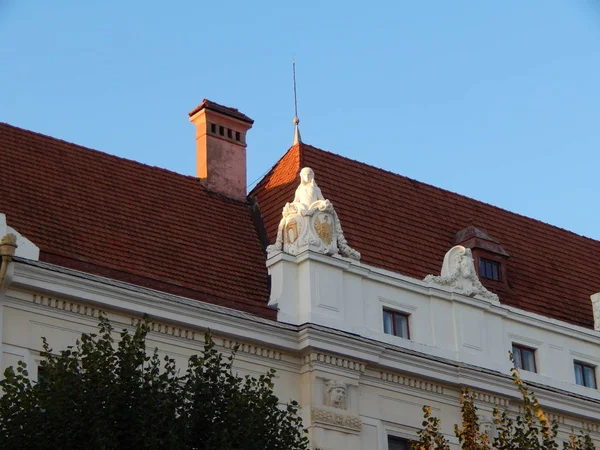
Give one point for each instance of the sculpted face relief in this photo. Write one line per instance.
(335, 394)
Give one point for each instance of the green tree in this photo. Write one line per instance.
(105, 395)
(529, 430)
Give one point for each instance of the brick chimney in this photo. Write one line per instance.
(221, 148)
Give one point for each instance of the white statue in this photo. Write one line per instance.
(308, 193)
(310, 222)
(458, 271)
(335, 394)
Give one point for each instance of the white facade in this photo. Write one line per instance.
(356, 385)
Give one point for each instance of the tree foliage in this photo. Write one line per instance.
(529, 430)
(101, 394)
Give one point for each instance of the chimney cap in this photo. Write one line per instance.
(221, 109)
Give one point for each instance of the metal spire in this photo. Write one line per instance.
(297, 138)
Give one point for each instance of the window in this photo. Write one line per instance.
(489, 269)
(221, 130)
(213, 128)
(585, 375)
(524, 357)
(41, 375)
(238, 136)
(395, 323)
(229, 133)
(396, 443)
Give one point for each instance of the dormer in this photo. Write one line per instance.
(489, 256)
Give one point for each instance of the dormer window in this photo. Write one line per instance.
(490, 258)
(490, 270)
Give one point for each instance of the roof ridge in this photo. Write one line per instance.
(481, 202)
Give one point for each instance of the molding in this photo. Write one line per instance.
(65, 305)
(412, 382)
(583, 356)
(337, 361)
(591, 427)
(397, 305)
(525, 340)
(492, 399)
(344, 421)
(560, 420)
(252, 349)
(170, 330)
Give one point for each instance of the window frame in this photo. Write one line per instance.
(493, 263)
(395, 313)
(583, 366)
(391, 438)
(526, 348)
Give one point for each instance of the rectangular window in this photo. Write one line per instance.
(524, 357)
(395, 323)
(489, 269)
(585, 375)
(396, 443)
(213, 128)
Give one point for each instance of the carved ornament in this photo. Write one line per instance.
(458, 273)
(310, 222)
(332, 418)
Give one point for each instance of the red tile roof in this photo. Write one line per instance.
(109, 216)
(406, 226)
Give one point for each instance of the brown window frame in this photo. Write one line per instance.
(492, 262)
(529, 349)
(589, 366)
(394, 314)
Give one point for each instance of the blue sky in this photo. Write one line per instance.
(495, 100)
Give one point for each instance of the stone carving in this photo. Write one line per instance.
(310, 222)
(488, 427)
(596, 309)
(341, 420)
(335, 394)
(458, 272)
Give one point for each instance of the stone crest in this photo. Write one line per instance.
(310, 222)
(458, 272)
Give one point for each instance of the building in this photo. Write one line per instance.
(371, 296)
